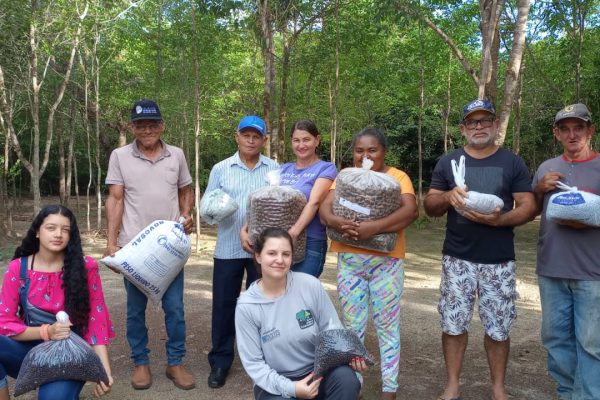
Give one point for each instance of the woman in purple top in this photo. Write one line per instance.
(313, 177)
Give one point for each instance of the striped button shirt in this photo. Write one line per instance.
(234, 178)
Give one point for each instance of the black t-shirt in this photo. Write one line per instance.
(503, 173)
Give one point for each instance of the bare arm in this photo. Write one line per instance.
(56, 331)
(186, 203)
(114, 215)
(317, 195)
(101, 388)
(437, 202)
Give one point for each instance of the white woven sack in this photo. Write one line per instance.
(153, 258)
(574, 205)
(217, 205)
(482, 203)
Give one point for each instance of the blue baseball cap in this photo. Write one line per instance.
(252, 122)
(145, 109)
(478, 105)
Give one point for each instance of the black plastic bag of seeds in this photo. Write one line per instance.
(336, 347)
(56, 360)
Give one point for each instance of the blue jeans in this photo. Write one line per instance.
(228, 275)
(314, 259)
(12, 354)
(137, 332)
(571, 335)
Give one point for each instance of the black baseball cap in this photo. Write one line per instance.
(579, 111)
(145, 109)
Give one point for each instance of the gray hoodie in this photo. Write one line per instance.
(276, 338)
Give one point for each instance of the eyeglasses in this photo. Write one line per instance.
(472, 123)
(142, 127)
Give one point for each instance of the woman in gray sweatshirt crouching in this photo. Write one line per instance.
(277, 321)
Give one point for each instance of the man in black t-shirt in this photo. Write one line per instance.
(478, 253)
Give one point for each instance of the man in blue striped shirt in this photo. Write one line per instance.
(238, 176)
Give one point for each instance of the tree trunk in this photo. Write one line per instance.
(269, 69)
(197, 126)
(490, 11)
(62, 173)
(448, 105)
(36, 168)
(517, 125)
(76, 185)
(96, 69)
(285, 73)
(71, 151)
(514, 67)
(421, 110)
(336, 87)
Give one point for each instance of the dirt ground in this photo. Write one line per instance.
(422, 372)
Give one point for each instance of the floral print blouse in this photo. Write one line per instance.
(46, 293)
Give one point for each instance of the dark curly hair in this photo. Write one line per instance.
(75, 282)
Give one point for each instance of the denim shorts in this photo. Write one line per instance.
(495, 285)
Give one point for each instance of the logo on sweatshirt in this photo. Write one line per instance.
(269, 335)
(305, 319)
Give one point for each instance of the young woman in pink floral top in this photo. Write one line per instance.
(60, 278)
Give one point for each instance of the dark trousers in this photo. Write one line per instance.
(227, 284)
(341, 383)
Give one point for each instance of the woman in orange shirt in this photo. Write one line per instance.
(367, 277)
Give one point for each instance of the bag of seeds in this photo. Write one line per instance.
(574, 205)
(479, 202)
(56, 360)
(276, 206)
(153, 258)
(365, 195)
(336, 347)
(217, 205)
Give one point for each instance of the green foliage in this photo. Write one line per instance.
(150, 49)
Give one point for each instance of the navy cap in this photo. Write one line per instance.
(478, 105)
(252, 122)
(145, 109)
(578, 110)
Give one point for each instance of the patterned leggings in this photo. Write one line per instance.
(379, 281)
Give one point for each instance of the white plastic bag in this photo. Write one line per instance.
(153, 258)
(365, 195)
(217, 205)
(276, 206)
(574, 205)
(56, 360)
(479, 202)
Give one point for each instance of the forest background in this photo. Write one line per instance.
(70, 70)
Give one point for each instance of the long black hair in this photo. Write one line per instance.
(75, 282)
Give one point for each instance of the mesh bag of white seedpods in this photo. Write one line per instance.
(365, 195)
(57, 360)
(479, 202)
(217, 205)
(153, 258)
(574, 205)
(337, 347)
(276, 206)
